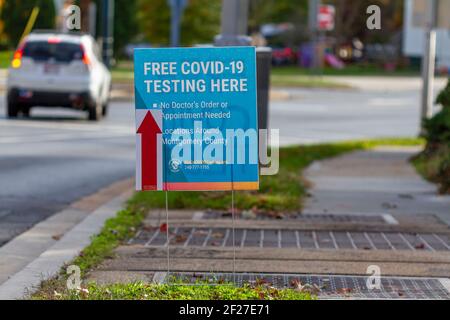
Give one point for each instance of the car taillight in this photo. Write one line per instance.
(17, 58)
(53, 40)
(85, 58)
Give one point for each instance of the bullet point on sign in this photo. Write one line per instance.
(155, 105)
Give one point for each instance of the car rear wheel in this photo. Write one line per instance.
(26, 111)
(105, 109)
(95, 112)
(13, 110)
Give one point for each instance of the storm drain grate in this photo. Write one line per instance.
(332, 286)
(301, 239)
(305, 217)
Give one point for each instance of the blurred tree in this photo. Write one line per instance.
(200, 23)
(351, 19)
(15, 15)
(280, 11)
(277, 11)
(126, 26)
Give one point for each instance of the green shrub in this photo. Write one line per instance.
(434, 161)
(444, 96)
(438, 127)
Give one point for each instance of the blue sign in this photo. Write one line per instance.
(196, 119)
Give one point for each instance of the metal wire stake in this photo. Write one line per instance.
(233, 235)
(167, 236)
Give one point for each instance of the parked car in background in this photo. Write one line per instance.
(284, 56)
(51, 69)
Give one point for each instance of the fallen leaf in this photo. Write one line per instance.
(180, 238)
(306, 288)
(217, 235)
(262, 281)
(148, 228)
(295, 283)
(84, 291)
(420, 246)
(163, 227)
(344, 290)
(57, 237)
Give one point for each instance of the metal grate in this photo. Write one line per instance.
(305, 217)
(282, 238)
(332, 286)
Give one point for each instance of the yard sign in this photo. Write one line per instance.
(196, 119)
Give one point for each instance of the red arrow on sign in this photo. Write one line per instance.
(149, 131)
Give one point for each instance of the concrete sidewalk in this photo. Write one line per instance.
(386, 83)
(373, 181)
(40, 253)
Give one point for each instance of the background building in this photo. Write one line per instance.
(414, 32)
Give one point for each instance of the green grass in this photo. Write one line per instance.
(5, 59)
(122, 74)
(282, 192)
(115, 230)
(142, 291)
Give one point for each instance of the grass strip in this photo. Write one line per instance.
(142, 291)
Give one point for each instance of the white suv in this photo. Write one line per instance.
(51, 69)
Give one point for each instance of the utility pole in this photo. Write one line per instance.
(233, 24)
(177, 7)
(108, 31)
(428, 61)
(313, 14)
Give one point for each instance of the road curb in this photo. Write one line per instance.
(49, 263)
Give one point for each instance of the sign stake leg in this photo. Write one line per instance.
(233, 234)
(167, 236)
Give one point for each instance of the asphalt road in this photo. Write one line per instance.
(315, 116)
(57, 157)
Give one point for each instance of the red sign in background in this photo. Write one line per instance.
(325, 19)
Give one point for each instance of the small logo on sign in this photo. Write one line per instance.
(174, 165)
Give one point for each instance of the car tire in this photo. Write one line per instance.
(105, 109)
(12, 110)
(26, 111)
(95, 112)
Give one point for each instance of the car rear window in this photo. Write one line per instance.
(60, 52)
